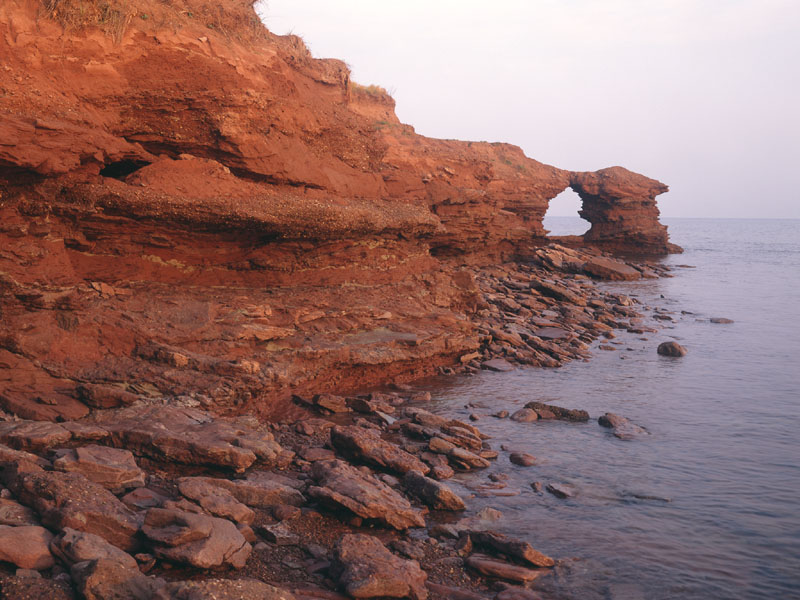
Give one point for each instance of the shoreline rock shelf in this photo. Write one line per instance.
(194, 298)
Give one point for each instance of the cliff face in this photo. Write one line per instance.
(192, 205)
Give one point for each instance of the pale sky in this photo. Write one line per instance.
(703, 95)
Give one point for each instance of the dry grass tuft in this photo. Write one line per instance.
(369, 90)
(234, 19)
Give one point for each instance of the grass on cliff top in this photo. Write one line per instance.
(369, 90)
(234, 19)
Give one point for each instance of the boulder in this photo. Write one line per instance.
(344, 486)
(508, 546)
(525, 415)
(196, 540)
(15, 514)
(559, 292)
(437, 495)
(73, 546)
(564, 414)
(332, 403)
(466, 460)
(215, 500)
(369, 570)
(11, 456)
(367, 445)
(28, 546)
(673, 349)
(186, 435)
(623, 428)
(107, 579)
(71, 500)
(522, 459)
(114, 469)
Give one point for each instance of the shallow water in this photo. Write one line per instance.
(708, 504)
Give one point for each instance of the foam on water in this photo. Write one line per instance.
(707, 505)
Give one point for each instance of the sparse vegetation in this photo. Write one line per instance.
(236, 20)
(369, 90)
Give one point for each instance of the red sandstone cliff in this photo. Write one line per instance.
(192, 205)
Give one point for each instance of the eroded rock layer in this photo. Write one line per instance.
(192, 206)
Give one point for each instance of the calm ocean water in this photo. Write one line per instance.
(708, 505)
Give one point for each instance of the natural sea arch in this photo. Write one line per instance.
(562, 216)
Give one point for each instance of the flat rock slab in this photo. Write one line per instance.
(608, 268)
(73, 546)
(222, 589)
(27, 547)
(367, 445)
(369, 570)
(186, 435)
(34, 436)
(500, 365)
(106, 579)
(12, 456)
(71, 500)
(113, 468)
(261, 489)
(343, 485)
(551, 333)
(196, 540)
(501, 570)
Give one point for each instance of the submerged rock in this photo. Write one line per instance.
(623, 428)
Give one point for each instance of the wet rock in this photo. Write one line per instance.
(369, 570)
(114, 469)
(525, 415)
(501, 414)
(624, 429)
(196, 540)
(501, 570)
(106, 579)
(673, 349)
(466, 460)
(517, 593)
(536, 486)
(15, 514)
(71, 500)
(497, 364)
(33, 436)
(342, 485)
(222, 589)
(522, 459)
(721, 320)
(367, 445)
(608, 268)
(508, 546)
(27, 546)
(433, 493)
(561, 490)
(564, 414)
(73, 546)
(186, 435)
(215, 500)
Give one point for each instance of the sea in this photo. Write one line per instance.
(706, 505)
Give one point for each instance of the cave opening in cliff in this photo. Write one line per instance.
(122, 168)
(562, 217)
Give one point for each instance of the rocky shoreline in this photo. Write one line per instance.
(159, 498)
